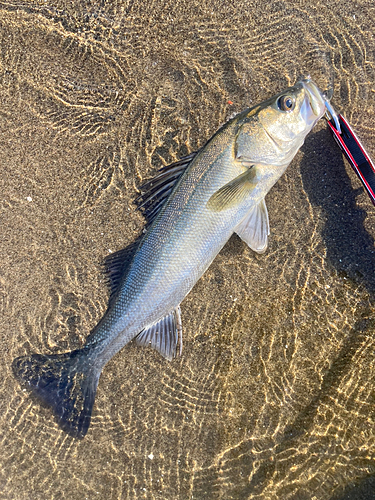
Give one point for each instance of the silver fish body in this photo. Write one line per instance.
(219, 191)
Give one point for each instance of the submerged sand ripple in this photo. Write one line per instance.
(273, 397)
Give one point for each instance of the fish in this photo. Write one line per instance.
(192, 207)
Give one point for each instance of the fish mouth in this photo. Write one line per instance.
(319, 101)
(315, 97)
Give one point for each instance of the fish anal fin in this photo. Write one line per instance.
(117, 264)
(164, 336)
(157, 190)
(255, 228)
(234, 192)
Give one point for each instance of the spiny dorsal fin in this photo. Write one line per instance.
(164, 335)
(255, 228)
(117, 264)
(157, 190)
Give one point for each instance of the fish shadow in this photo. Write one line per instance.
(350, 248)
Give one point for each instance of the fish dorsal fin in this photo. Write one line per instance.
(117, 264)
(164, 335)
(234, 192)
(255, 228)
(157, 190)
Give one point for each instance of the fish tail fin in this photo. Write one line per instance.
(65, 382)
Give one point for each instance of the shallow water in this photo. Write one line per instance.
(273, 397)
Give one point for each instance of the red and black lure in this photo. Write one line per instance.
(354, 152)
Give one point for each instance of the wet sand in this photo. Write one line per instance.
(273, 397)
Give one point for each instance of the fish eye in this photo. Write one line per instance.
(286, 103)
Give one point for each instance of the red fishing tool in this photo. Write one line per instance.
(354, 152)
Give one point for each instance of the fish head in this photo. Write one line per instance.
(272, 132)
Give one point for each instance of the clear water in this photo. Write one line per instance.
(273, 397)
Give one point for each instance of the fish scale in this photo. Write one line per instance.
(162, 254)
(192, 208)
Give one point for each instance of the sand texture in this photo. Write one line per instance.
(274, 396)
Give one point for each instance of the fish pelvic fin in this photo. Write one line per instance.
(164, 336)
(255, 228)
(65, 382)
(234, 192)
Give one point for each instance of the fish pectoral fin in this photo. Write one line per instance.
(255, 228)
(234, 192)
(164, 335)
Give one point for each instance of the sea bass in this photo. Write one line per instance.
(192, 208)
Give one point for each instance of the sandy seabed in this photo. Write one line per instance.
(273, 397)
